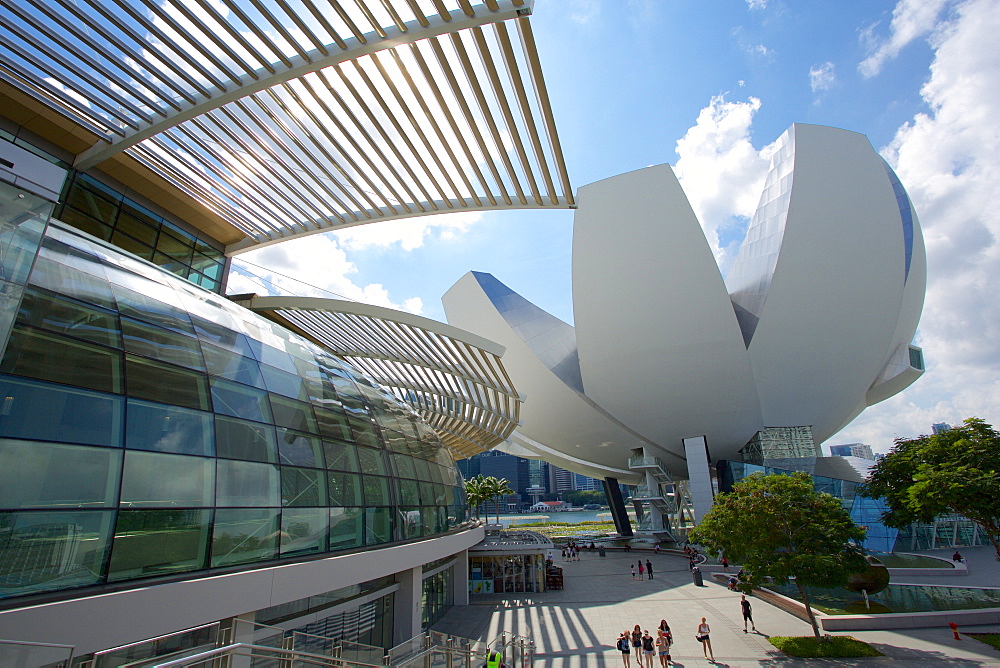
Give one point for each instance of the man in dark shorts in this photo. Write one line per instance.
(747, 615)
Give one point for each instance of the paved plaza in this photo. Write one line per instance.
(578, 625)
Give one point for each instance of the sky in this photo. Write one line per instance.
(707, 86)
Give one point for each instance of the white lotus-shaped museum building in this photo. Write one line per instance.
(669, 360)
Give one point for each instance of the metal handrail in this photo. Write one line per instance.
(252, 650)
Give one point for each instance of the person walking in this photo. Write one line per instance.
(647, 649)
(632, 566)
(649, 569)
(641, 569)
(625, 647)
(637, 644)
(725, 565)
(747, 614)
(706, 641)
(663, 648)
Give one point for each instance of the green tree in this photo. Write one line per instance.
(956, 471)
(496, 488)
(475, 493)
(583, 497)
(780, 527)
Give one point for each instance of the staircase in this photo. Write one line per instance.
(666, 497)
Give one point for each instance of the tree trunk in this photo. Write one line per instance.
(809, 611)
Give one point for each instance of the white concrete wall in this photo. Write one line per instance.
(107, 620)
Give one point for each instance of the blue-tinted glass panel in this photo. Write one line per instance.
(293, 414)
(48, 412)
(48, 551)
(341, 456)
(145, 307)
(51, 275)
(232, 366)
(246, 484)
(167, 384)
(244, 535)
(222, 336)
(304, 531)
(163, 428)
(284, 383)
(302, 487)
(53, 475)
(37, 354)
(159, 542)
(273, 357)
(240, 401)
(70, 317)
(347, 528)
(238, 439)
(154, 479)
(295, 449)
(162, 344)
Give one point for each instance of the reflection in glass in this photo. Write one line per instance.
(376, 491)
(240, 401)
(232, 366)
(158, 542)
(155, 479)
(346, 528)
(51, 475)
(345, 489)
(304, 531)
(162, 344)
(299, 449)
(244, 535)
(246, 484)
(238, 439)
(371, 461)
(302, 487)
(37, 354)
(293, 414)
(166, 383)
(378, 525)
(341, 456)
(50, 551)
(41, 308)
(163, 428)
(49, 412)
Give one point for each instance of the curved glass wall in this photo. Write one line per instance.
(149, 427)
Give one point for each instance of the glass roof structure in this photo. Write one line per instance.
(452, 378)
(285, 118)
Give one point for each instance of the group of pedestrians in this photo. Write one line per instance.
(571, 552)
(645, 646)
(644, 570)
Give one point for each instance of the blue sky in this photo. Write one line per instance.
(706, 86)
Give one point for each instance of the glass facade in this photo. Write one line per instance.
(438, 593)
(149, 427)
(91, 206)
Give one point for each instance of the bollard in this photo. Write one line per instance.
(954, 629)
(696, 574)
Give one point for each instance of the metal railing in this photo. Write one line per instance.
(49, 655)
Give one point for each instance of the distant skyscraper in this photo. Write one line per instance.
(560, 480)
(940, 427)
(584, 483)
(852, 450)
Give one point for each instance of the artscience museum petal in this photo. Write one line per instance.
(670, 360)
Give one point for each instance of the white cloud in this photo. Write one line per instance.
(408, 233)
(822, 77)
(720, 170)
(949, 161)
(585, 11)
(315, 266)
(757, 4)
(911, 19)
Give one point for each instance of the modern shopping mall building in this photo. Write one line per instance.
(171, 458)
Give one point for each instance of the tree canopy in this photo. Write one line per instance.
(483, 488)
(956, 471)
(780, 527)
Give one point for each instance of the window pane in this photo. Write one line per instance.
(364, 433)
(174, 248)
(303, 531)
(332, 425)
(404, 466)
(340, 456)
(240, 401)
(220, 335)
(93, 204)
(41, 475)
(137, 224)
(146, 306)
(378, 525)
(292, 414)
(412, 522)
(244, 535)
(166, 384)
(283, 382)
(168, 429)
(345, 489)
(129, 244)
(161, 344)
(35, 354)
(52, 550)
(251, 441)
(52, 275)
(299, 449)
(158, 542)
(409, 493)
(155, 479)
(346, 528)
(302, 487)
(246, 484)
(56, 413)
(232, 366)
(70, 317)
(376, 491)
(371, 461)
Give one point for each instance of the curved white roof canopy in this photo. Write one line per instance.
(454, 379)
(287, 120)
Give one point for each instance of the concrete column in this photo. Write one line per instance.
(699, 476)
(617, 504)
(408, 608)
(460, 577)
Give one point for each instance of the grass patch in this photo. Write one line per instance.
(840, 647)
(992, 639)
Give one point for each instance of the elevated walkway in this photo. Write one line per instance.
(661, 497)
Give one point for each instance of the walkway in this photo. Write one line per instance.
(577, 626)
